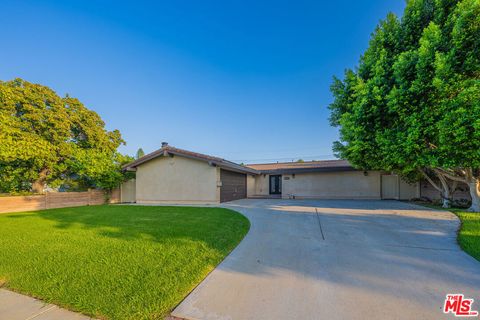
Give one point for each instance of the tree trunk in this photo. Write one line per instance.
(39, 185)
(430, 180)
(474, 187)
(446, 203)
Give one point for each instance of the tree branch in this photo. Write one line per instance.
(454, 187)
(450, 175)
(445, 186)
(430, 180)
(469, 174)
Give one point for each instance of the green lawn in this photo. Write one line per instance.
(115, 262)
(469, 234)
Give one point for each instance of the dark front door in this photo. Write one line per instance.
(276, 184)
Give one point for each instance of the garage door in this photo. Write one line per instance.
(390, 184)
(234, 186)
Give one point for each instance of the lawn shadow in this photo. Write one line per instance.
(387, 247)
(217, 228)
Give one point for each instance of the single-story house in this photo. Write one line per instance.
(172, 175)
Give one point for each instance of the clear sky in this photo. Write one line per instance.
(244, 80)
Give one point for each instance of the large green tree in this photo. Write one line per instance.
(140, 153)
(413, 103)
(47, 139)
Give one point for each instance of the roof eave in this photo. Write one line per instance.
(239, 169)
(307, 170)
(166, 152)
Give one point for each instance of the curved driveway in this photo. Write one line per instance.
(337, 259)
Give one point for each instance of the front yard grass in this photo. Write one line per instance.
(469, 234)
(115, 262)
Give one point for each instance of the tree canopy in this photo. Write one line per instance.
(47, 139)
(412, 105)
(140, 153)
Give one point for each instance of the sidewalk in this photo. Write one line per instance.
(14, 306)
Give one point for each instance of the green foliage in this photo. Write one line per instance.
(414, 100)
(100, 169)
(140, 153)
(48, 139)
(115, 262)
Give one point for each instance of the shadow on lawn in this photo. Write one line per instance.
(217, 228)
(386, 247)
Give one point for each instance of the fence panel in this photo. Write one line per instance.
(22, 203)
(115, 196)
(52, 200)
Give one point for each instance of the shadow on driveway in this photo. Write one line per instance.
(375, 260)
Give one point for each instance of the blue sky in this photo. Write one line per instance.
(244, 80)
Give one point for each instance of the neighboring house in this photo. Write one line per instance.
(172, 175)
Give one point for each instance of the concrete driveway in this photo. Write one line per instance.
(337, 259)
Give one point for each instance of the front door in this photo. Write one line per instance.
(276, 184)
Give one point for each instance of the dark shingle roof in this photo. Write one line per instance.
(169, 150)
(307, 166)
(262, 168)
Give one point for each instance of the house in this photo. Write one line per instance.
(173, 175)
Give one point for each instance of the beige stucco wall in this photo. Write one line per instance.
(127, 191)
(261, 185)
(329, 185)
(409, 191)
(333, 185)
(177, 180)
(250, 185)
